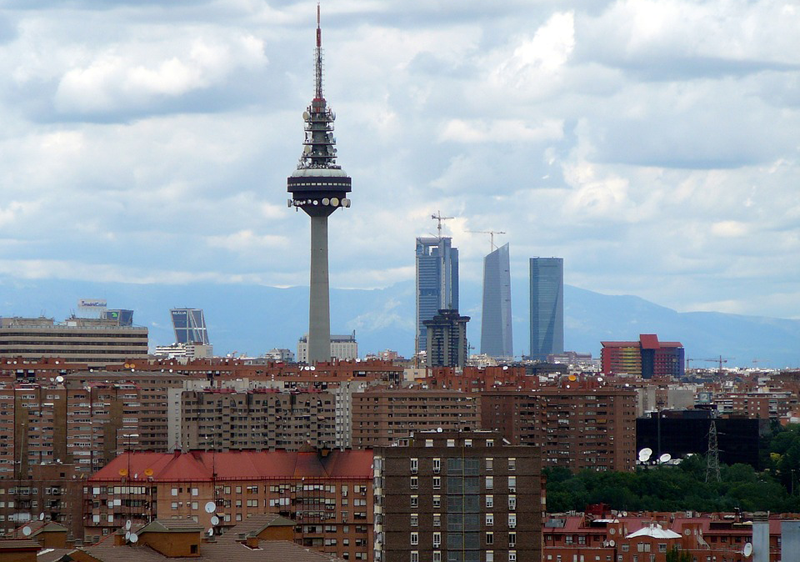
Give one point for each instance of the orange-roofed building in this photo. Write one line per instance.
(327, 494)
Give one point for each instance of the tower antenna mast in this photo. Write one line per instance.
(318, 59)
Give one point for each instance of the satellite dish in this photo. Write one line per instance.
(215, 520)
(26, 531)
(128, 525)
(210, 532)
(148, 471)
(307, 149)
(666, 457)
(644, 454)
(748, 549)
(59, 379)
(134, 537)
(612, 543)
(326, 201)
(127, 535)
(306, 115)
(335, 201)
(210, 507)
(41, 516)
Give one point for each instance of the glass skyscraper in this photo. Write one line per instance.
(189, 325)
(437, 281)
(547, 307)
(496, 317)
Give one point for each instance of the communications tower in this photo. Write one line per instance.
(319, 186)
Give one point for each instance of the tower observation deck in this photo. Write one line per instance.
(319, 186)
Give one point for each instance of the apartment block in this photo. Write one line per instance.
(53, 492)
(326, 494)
(382, 415)
(257, 419)
(457, 497)
(578, 425)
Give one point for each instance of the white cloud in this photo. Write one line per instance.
(654, 145)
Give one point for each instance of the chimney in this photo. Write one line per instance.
(251, 541)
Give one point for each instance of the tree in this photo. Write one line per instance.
(676, 555)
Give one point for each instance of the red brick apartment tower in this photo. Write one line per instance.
(457, 497)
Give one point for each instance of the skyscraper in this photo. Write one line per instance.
(496, 318)
(189, 325)
(547, 307)
(319, 186)
(437, 281)
(447, 339)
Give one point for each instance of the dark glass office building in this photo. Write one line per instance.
(189, 325)
(437, 281)
(547, 307)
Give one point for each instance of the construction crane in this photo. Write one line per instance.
(720, 360)
(438, 217)
(491, 234)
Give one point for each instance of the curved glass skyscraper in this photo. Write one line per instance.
(496, 318)
(547, 307)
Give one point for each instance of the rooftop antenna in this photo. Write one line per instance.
(318, 61)
(440, 219)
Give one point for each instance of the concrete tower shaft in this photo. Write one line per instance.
(319, 186)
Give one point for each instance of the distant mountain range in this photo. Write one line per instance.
(252, 319)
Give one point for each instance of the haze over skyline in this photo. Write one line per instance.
(652, 145)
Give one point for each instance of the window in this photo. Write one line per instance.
(174, 505)
(437, 482)
(414, 482)
(429, 442)
(414, 520)
(490, 442)
(512, 484)
(512, 520)
(451, 442)
(468, 442)
(437, 539)
(512, 503)
(174, 491)
(437, 501)
(490, 501)
(195, 492)
(512, 556)
(625, 547)
(414, 539)
(512, 464)
(512, 540)
(662, 547)
(414, 465)
(490, 556)
(437, 466)
(489, 519)
(490, 537)
(437, 519)
(437, 556)
(414, 556)
(415, 501)
(489, 464)
(489, 482)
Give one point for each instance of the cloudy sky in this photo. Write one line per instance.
(655, 145)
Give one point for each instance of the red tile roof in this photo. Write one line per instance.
(199, 466)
